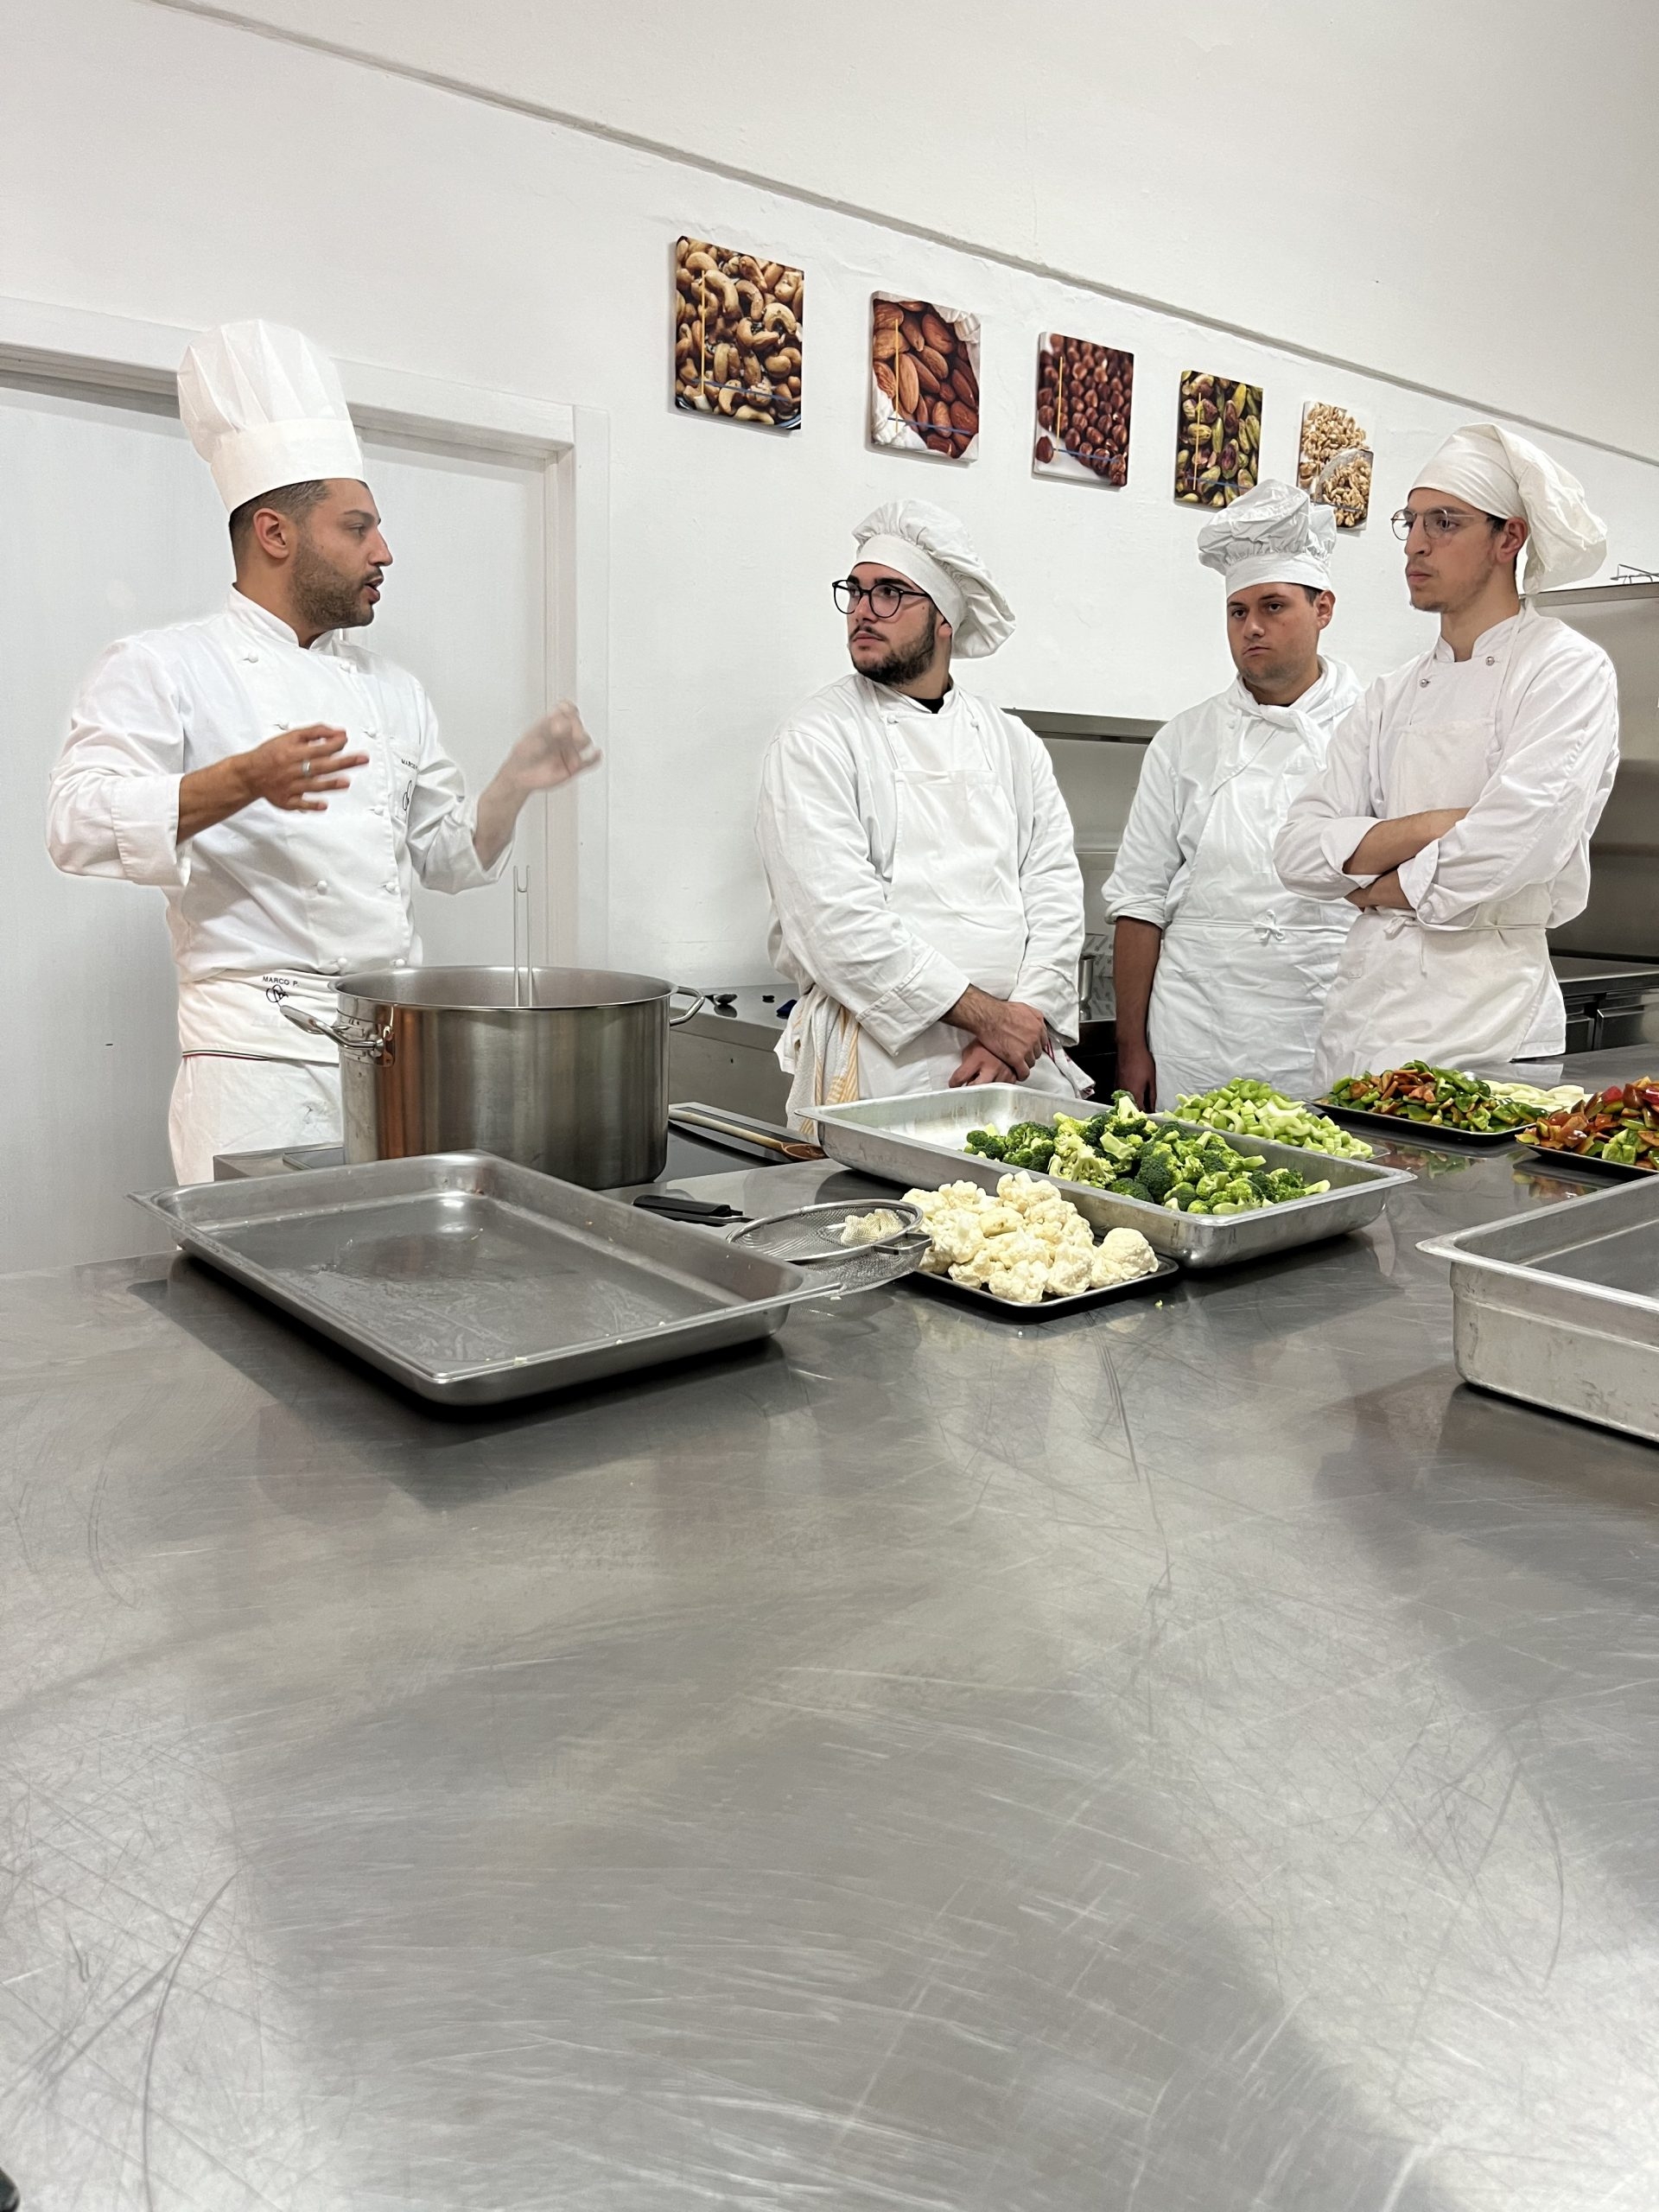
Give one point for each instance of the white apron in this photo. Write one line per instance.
(1452, 997)
(955, 881)
(1245, 965)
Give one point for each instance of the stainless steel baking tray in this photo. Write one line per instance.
(1051, 1308)
(1561, 1306)
(1620, 1170)
(918, 1140)
(1397, 1126)
(471, 1281)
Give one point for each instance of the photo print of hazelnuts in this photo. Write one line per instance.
(1085, 393)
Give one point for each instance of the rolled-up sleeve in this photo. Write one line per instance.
(1539, 805)
(443, 823)
(1051, 889)
(1333, 811)
(830, 903)
(1149, 851)
(113, 806)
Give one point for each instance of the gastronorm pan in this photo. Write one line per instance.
(473, 1280)
(1560, 1307)
(919, 1142)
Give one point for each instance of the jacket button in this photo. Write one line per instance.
(1491, 660)
(377, 808)
(321, 886)
(1423, 682)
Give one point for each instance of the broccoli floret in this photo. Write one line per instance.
(1022, 1133)
(1095, 1129)
(1155, 1173)
(1134, 1188)
(1260, 1181)
(987, 1144)
(1071, 1162)
(1034, 1155)
(1068, 1125)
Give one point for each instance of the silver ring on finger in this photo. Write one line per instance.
(305, 767)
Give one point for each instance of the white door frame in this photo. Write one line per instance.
(54, 347)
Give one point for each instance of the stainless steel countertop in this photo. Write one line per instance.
(1189, 1758)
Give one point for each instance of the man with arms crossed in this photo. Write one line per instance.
(1219, 969)
(927, 903)
(1457, 805)
(282, 787)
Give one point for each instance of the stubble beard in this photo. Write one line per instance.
(325, 599)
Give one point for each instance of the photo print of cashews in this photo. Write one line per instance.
(1084, 396)
(1217, 440)
(924, 377)
(737, 335)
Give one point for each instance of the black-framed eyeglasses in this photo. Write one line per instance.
(883, 597)
(1439, 522)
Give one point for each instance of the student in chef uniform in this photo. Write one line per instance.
(281, 786)
(1456, 807)
(927, 901)
(1218, 971)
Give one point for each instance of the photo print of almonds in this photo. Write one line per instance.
(924, 376)
(737, 337)
(1334, 464)
(1084, 393)
(1217, 440)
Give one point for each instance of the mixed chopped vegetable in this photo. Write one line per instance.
(1134, 1156)
(1251, 1108)
(1620, 1125)
(1437, 1097)
(1027, 1244)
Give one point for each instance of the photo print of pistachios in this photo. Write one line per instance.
(1217, 440)
(1334, 464)
(924, 377)
(737, 338)
(1084, 393)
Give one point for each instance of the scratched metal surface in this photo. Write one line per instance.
(1190, 1758)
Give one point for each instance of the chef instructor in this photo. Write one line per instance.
(1456, 807)
(926, 901)
(1218, 971)
(281, 786)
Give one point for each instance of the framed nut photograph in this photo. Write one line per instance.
(1333, 463)
(1084, 396)
(737, 335)
(1217, 440)
(924, 377)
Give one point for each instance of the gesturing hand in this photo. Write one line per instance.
(554, 750)
(289, 771)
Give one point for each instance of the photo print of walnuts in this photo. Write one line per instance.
(1334, 464)
(1217, 440)
(924, 376)
(1084, 394)
(737, 337)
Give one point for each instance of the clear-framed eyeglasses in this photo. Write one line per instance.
(1439, 522)
(884, 598)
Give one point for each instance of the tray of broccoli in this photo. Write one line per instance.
(1198, 1195)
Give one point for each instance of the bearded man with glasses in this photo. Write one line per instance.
(1456, 803)
(926, 901)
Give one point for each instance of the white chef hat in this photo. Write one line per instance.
(932, 549)
(263, 408)
(1271, 535)
(1504, 475)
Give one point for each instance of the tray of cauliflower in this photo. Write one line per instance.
(1023, 1248)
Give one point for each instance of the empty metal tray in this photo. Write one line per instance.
(473, 1280)
(1561, 1306)
(918, 1140)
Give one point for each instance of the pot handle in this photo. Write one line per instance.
(698, 999)
(373, 1048)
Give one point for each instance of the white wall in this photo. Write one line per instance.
(160, 165)
(1459, 193)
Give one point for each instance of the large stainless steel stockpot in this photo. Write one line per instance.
(563, 1069)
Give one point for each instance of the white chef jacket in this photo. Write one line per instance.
(268, 902)
(1534, 710)
(830, 824)
(1245, 965)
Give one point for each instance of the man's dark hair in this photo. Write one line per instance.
(290, 499)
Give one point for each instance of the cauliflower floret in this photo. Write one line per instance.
(956, 1235)
(1070, 1270)
(997, 1220)
(1125, 1256)
(1023, 1284)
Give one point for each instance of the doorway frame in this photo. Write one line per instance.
(56, 348)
